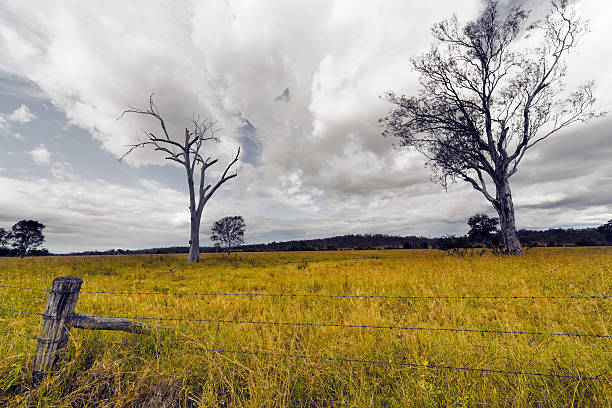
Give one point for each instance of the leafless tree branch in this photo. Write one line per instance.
(189, 155)
(483, 103)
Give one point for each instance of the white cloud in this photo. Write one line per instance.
(5, 126)
(60, 170)
(22, 115)
(63, 171)
(336, 58)
(40, 155)
(71, 209)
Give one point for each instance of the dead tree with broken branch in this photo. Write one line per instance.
(189, 153)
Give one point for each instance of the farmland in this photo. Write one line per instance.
(413, 367)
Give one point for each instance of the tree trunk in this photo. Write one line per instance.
(195, 215)
(194, 242)
(505, 210)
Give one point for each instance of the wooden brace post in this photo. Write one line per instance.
(56, 322)
(60, 316)
(87, 321)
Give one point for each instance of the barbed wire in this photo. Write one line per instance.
(339, 325)
(22, 311)
(319, 295)
(316, 295)
(14, 333)
(345, 360)
(22, 288)
(328, 358)
(365, 326)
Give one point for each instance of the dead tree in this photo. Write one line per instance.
(483, 102)
(189, 154)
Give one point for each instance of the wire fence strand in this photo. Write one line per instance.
(347, 360)
(22, 312)
(317, 295)
(14, 333)
(322, 295)
(329, 358)
(22, 288)
(302, 324)
(365, 326)
(337, 325)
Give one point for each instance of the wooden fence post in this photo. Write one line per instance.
(56, 323)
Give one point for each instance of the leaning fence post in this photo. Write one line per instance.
(55, 327)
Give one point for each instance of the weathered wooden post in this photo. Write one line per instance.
(87, 321)
(60, 316)
(55, 328)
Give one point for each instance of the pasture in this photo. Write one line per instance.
(225, 363)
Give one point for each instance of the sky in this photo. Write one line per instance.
(295, 84)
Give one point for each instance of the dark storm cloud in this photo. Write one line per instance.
(284, 97)
(577, 201)
(250, 142)
(579, 152)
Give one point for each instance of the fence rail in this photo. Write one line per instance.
(61, 321)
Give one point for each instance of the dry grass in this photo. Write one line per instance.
(122, 376)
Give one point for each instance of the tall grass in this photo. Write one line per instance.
(93, 374)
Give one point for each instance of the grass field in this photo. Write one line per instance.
(94, 374)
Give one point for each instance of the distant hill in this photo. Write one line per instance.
(550, 237)
(352, 242)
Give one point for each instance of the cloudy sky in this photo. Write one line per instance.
(296, 84)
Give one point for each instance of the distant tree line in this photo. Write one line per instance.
(351, 241)
(483, 234)
(25, 238)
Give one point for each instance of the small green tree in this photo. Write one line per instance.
(228, 232)
(26, 235)
(483, 229)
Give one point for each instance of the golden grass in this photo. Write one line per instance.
(123, 376)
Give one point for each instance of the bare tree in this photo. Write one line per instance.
(483, 102)
(189, 153)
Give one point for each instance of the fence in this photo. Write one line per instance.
(59, 316)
